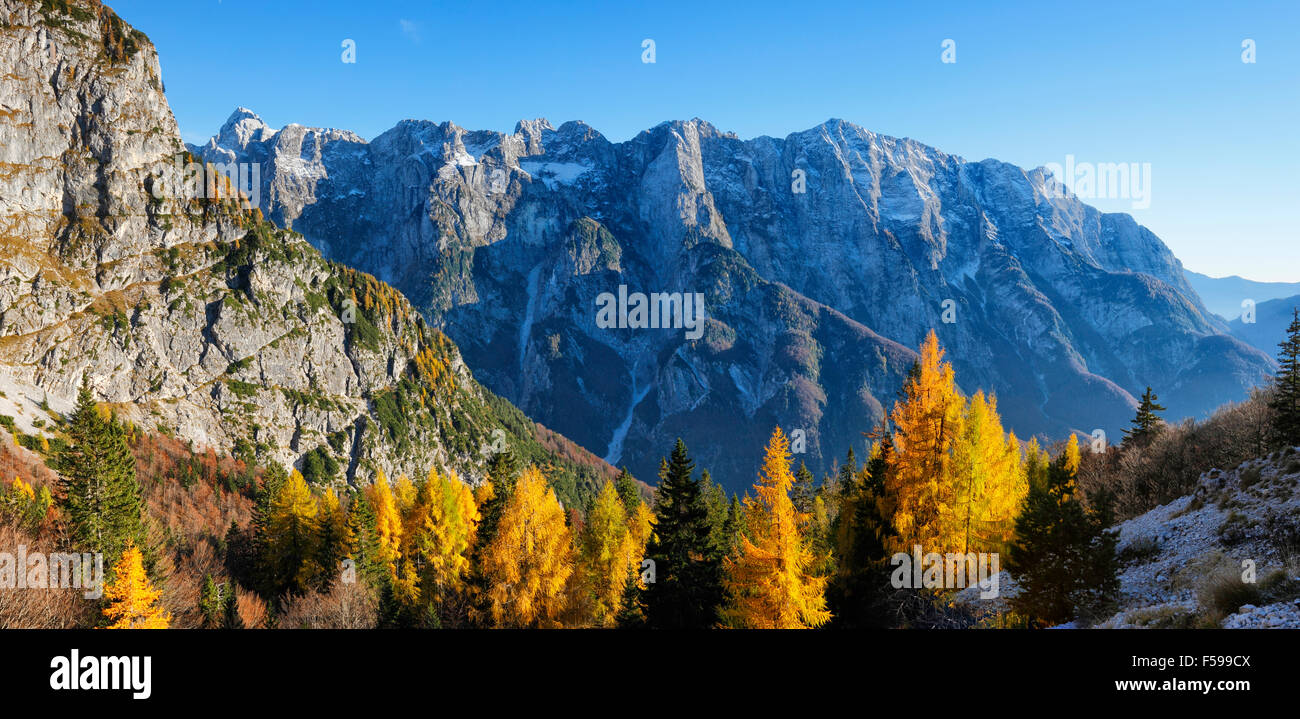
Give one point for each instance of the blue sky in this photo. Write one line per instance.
(1152, 82)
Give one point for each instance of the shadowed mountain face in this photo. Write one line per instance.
(822, 257)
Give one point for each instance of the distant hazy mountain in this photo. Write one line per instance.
(823, 257)
(1224, 295)
(1269, 328)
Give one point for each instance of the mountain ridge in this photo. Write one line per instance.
(483, 229)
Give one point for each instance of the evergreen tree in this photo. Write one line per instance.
(335, 541)
(804, 490)
(1062, 555)
(363, 528)
(102, 501)
(628, 492)
(230, 612)
(861, 532)
(715, 498)
(687, 592)
(1285, 401)
(1146, 424)
(211, 605)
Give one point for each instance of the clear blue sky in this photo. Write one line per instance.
(1147, 82)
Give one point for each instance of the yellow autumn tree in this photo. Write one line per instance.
(990, 477)
(922, 486)
(529, 560)
(1072, 458)
(640, 526)
(293, 532)
(388, 524)
(769, 582)
(441, 531)
(606, 549)
(404, 492)
(337, 539)
(131, 600)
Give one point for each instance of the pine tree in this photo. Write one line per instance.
(687, 592)
(529, 561)
(1146, 424)
(1062, 555)
(131, 602)
(769, 583)
(1285, 401)
(862, 532)
(102, 501)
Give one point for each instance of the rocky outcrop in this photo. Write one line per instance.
(822, 257)
(185, 309)
(1237, 536)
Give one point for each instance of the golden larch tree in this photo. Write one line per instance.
(990, 478)
(769, 582)
(388, 524)
(293, 531)
(922, 486)
(132, 600)
(530, 558)
(605, 554)
(444, 523)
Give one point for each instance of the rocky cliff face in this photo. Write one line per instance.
(185, 309)
(822, 256)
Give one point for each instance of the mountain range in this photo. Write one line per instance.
(823, 257)
(1224, 295)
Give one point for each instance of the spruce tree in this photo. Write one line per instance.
(687, 592)
(628, 492)
(861, 530)
(1146, 424)
(230, 613)
(1285, 401)
(1061, 555)
(102, 499)
(210, 602)
(804, 490)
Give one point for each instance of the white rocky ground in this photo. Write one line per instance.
(1170, 555)
(1172, 552)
